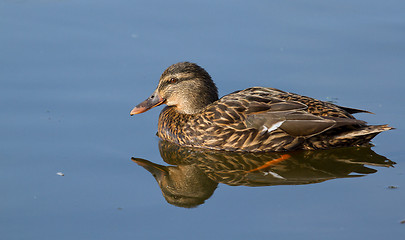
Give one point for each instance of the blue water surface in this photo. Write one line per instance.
(70, 72)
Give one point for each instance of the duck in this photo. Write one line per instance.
(256, 119)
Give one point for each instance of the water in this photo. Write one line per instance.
(70, 72)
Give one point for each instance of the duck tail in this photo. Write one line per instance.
(354, 137)
(361, 136)
(365, 132)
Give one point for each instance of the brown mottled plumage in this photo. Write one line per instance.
(256, 119)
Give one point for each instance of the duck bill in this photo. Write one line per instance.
(158, 171)
(151, 102)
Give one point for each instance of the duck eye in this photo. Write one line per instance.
(173, 80)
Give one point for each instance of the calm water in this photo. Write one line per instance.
(70, 72)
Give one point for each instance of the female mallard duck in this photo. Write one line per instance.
(256, 119)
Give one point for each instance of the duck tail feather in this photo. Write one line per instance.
(367, 132)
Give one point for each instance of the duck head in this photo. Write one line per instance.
(185, 86)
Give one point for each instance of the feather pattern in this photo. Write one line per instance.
(256, 119)
(236, 123)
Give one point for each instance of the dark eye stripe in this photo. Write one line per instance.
(168, 82)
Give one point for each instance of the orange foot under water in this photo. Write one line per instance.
(271, 163)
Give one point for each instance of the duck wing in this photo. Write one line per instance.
(268, 110)
(292, 118)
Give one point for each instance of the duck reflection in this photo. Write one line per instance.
(196, 173)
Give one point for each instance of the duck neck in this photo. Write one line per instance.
(193, 104)
(193, 107)
(171, 125)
